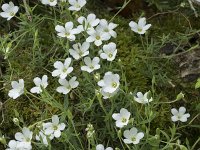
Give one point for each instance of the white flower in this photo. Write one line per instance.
(43, 137)
(91, 65)
(40, 83)
(107, 95)
(13, 145)
(141, 27)
(23, 140)
(67, 31)
(132, 136)
(143, 99)
(110, 82)
(101, 147)
(76, 5)
(179, 114)
(16, 145)
(109, 52)
(62, 70)
(49, 2)
(97, 36)
(88, 23)
(79, 50)
(25, 136)
(107, 28)
(54, 127)
(9, 10)
(18, 89)
(121, 118)
(67, 86)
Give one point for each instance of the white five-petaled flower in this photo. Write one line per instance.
(97, 36)
(79, 50)
(101, 147)
(18, 89)
(62, 70)
(140, 27)
(40, 83)
(88, 24)
(91, 65)
(76, 5)
(23, 140)
(132, 136)
(16, 145)
(49, 2)
(41, 136)
(109, 52)
(53, 128)
(143, 99)
(110, 82)
(25, 136)
(107, 28)
(179, 114)
(9, 10)
(67, 31)
(67, 86)
(122, 118)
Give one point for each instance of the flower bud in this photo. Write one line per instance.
(180, 96)
(119, 133)
(16, 121)
(97, 76)
(3, 140)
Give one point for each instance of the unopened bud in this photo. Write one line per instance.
(15, 120)
(97, 76)
(179, 96)
(3, 140)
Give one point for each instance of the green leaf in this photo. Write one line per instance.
(154, 141)
(197, 85)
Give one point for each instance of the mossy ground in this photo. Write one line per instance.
(145, 68)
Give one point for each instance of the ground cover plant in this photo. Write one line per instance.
(83, 75)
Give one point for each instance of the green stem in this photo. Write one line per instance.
(124, 5)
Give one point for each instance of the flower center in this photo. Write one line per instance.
(106, 30)
(80, 53)
(98, 37)
(28, 139)
(140, 29)
(55, 127)
(12, 13)
(133, 139)
(110, 55)
(114, 84)
(67, 34)
(179, 117)
(91, 67)
(64, 70)
(124, 120)
(77, 5)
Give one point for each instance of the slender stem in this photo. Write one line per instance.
(192, 7)
(142, 42)
(124, 5)
(76, 134)
(26, 8)
(197, 141)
